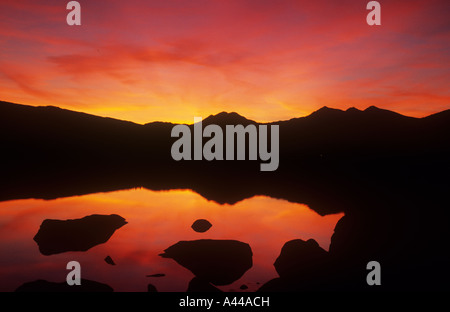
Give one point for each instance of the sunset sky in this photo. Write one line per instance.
(171, 60)
(156, 220)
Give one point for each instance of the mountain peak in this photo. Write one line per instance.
(223, 118)
(326, 111)
(353, 110)
(373, 108)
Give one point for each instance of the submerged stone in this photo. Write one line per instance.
(220, 262)
(58, 236)
(201, 225)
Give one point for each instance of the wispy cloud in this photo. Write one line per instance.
(168, 60)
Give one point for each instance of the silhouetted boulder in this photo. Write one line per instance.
(109, 260)
(373, 228)
(298, 258)
(151, 288)
(57, 236)
(219, 262)
(201, 225)
(243, 287)
(156, 275)
(226, 118)
(388, 173)
(302, 265)
(46, 286)
(199, 285)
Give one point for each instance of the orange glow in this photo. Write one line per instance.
(156, 220)
(267, 60)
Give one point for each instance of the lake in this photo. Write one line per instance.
(156, 221)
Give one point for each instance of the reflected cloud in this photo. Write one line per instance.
(156, 220)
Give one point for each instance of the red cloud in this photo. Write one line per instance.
(272, 59)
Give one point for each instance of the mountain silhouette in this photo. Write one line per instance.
(225, 118)
(50, 152)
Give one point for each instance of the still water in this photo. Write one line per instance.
(156, 220)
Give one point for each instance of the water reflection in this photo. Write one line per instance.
(156, 221)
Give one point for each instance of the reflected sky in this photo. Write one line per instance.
(156, 220)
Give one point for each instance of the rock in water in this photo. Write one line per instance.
(156, 275)
(299, 258)
(302, 266)
(201, 225)
(220, 262)
(109, 260)
(197, 285)
(151, 288)
(46, 286)
(57, 236)
(243, 287)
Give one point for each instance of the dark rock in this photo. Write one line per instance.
(201, 225)
(219, 262)
(156, 275)
(151, 288)
(302, 265)
(243, 287)
(45, 286)
(199, 285)
(299, 258)
(109, 260)
(277, 285)
(57, 236)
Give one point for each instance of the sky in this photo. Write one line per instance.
(268, 60)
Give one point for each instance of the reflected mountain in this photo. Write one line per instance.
(333, 152)
(219, 262)
(58, 236)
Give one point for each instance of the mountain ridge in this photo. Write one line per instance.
(386, 172)
(225, 116)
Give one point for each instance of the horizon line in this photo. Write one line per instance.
(226, 112)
